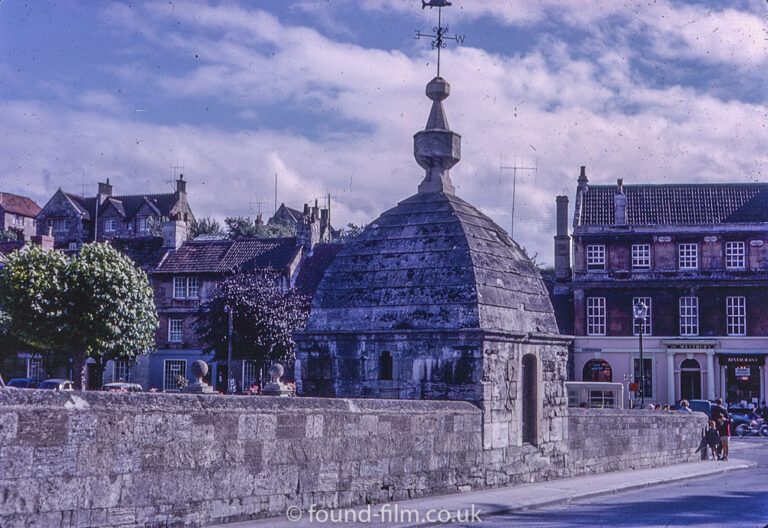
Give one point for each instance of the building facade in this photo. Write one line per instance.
(697, 256)
(18, 213)
(76, 220)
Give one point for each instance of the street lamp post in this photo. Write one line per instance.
(640, 311)
(228, 309)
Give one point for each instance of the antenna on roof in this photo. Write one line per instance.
(82, 185)
(275, 193)
(514, 168)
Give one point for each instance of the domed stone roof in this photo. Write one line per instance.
(434, 262)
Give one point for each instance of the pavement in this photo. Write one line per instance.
(471, 506)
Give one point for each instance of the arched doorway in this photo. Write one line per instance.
(690, 380)
(530, 396)
(597, 370)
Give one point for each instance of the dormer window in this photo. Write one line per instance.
(142, 225)
(595, 257)
(110, 225)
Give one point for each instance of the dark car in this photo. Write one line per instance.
(57, 384)
(739, 415)
(704, 406)
(24, 383)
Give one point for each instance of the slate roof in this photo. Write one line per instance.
(20, 205)
(147, 251)
(313, 267)
(433, 262)
(127, 205)
(676, 204)
(220, 256)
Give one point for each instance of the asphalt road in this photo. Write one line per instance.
(735, 499)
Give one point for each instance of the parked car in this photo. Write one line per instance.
(57, 384)
(24, 383)
(704, 406)
(121, 386)
(740, 416)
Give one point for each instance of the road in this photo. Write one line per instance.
(734, 500)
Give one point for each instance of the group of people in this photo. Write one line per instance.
(719, 431)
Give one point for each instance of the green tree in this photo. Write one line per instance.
(97, 305)
(264, 317)
(206, 226)
(11, 234)
(350, 232)
(246, 227)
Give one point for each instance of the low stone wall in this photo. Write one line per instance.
(601, 440)
(107, 459)
(161, 460)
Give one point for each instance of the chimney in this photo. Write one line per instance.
(583, 182)
(174, 233)
(44, 241)
(562, 241)
(181, 185)
(308, 230)
(620, 204)
(316, 210)
(105, 190)
(259, 219)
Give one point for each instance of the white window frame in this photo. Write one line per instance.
(18, 220)
(59, 225)
(186, 287)
(122, 370)
(595, 257)
(35, 368)
(73, 246)
(647, 327)
(110, 225)
(142, 226)
(641, 256)
(689, 316)
(596, 316)
(175, 330)
(735, 255)
(688, 256)
(736, 315)
(172, 368)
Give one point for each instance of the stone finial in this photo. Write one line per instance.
(437, 148)
(199, 371)
(276, 387)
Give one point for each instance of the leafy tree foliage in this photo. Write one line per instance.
(11, 234)
(97, 304)
(206, 226)
(246, 227)
(264, 317)
(350, 232)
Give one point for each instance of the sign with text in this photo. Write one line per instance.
(742, 360)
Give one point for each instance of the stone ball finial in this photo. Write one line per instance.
(276, 371)
(199, 369)
(438, 89)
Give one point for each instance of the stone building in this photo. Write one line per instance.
(18, 213)
(435, 301)
(293, 218)
(697, 256)
(76, 220)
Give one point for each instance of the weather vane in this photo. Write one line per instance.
(440, 32)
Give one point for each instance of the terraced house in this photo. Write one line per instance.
(697, 256)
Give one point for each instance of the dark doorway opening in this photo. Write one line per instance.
(690, 380)
(93, 382)
(530, 407)
(385, 366)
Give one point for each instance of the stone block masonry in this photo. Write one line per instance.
(601, 440)
(152, 460)
(161, 460)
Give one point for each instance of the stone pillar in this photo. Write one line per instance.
(710, 374)
(670, 377)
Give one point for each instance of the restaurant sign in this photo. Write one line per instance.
(742, 360)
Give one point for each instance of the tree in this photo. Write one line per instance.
(264, 317)
(350, 232)
(11, 234)
(206, 226)
(97, 305)
(246, 227)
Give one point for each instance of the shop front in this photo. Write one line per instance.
(743, 377)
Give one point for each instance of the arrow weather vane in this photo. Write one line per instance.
(440, 31)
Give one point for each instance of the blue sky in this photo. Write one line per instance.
(328, 93)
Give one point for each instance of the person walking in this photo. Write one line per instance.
(713, 439)
(724, 429)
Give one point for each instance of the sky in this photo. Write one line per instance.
(324, 96)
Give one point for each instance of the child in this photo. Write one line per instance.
(713, 439)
